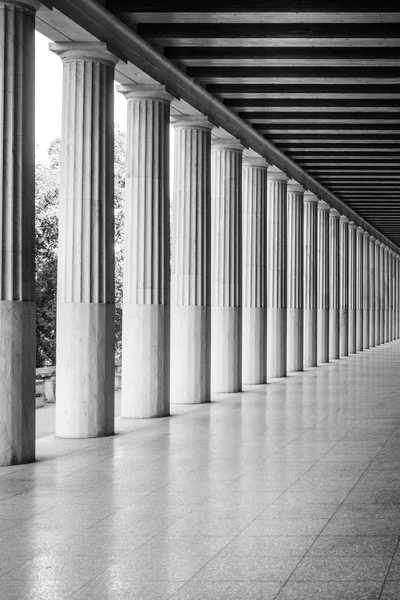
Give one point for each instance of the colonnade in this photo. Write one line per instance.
(256, 278)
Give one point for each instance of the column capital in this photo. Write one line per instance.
(352, 225)
(360, 231)
(367, 235)
(334, 214)
(382, 245)
(322, 205)
(252, 161)
(96, 51)
(310, 197)
(275, 174)
(28, 5)
(344, 219)
(227, 143)
(151, 92)
(191, 122)
(294, 187)
(378, 242)
(386, 248)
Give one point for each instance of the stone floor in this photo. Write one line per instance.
(286, 491)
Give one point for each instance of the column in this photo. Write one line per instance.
(276, 270)
(17, 232)
(254, 231)
(391, 284)
(386, 294)
(352, 287)
(365, 291)
(191, 262)
(382, 292)
(378, 340)
(359, 276)
(334, 285)
(310, 279)
(323, 282)
(397, 297)
(146, 298)
(295, 288)
(226, 266)
(85, 306)
(372, 306)
(344, 286)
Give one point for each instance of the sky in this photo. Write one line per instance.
(49, 96)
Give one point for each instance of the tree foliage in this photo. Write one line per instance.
(47, 201)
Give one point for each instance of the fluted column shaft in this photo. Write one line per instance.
(17, 232)
(344, 286)
(397, 297)
(378, 340)
(382, 303)
(359, 276)
(334, 285)
(310, 280)
(277, 274)
(371, 289)
(366, 291)
(352, 288)
(323, 282)
(191, 263)
(254, 275)
(85, 304)
(146, 300)
(391, 289)
(295, 277)
(226, 266)
(386, 294)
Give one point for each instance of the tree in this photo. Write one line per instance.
(47, 200)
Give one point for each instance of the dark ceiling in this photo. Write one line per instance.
(321, 80)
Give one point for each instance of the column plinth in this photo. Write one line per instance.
(310, 280)
(226, 266)
(359, 277)
(295, 276)
(352, 318)
(254, 311)
(191, 263)
(344, 285)
(323, 282)
(334, 285)
(371, 287)
(85, 303)
(277, 273)
(146, 299)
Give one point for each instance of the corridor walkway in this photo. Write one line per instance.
(286, 491)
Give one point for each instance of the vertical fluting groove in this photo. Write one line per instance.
(323, 258)
(86, 265)
(226, 227)
(191, 218)
(254, 233)
(334, 261)
(295, 241)
(17, 176)
(310, 254)
(276, 244)
(147, 225)
(366, 291)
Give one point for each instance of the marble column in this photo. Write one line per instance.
(382, 292)
(397, 297)
(310, 280)
(378, 340)
(390, 305)
(254, 275)
(344, 285)
(85, 306)
(226, 266)
(277, 273)
(371, 299)
(295, 277)
(146, 298)
(352, 288)
(17, 232)
(334, 285)
(391, 295)
(386, 294)
(191, 262)
(365, 292)
(359, 276)
(323, 282)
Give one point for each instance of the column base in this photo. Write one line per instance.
(17, 382)
(85, 370)
(334, 333)
(310, 337)
(190, 354)
(226, 349)
(323, 335)
(145, 361)
(276, 342)
(254, 345)
(295, 339)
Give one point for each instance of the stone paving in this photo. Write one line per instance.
(288, 491)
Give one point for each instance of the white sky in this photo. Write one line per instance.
(49, 96)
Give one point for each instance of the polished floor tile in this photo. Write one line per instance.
(289, 491)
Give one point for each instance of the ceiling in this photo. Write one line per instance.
(320, 80)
